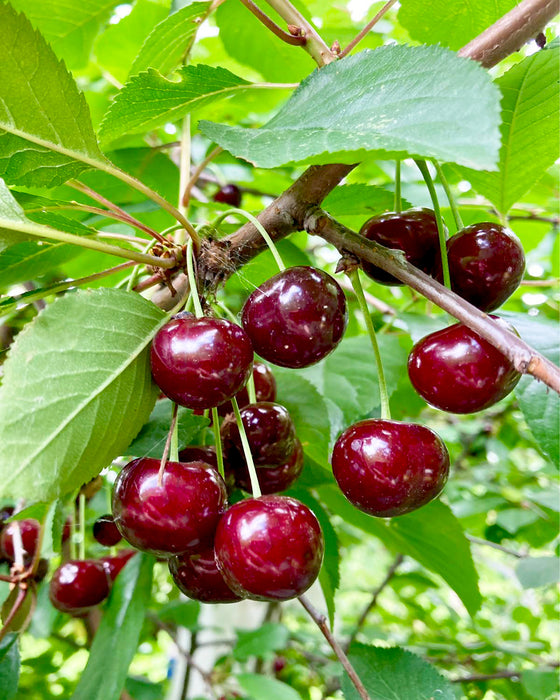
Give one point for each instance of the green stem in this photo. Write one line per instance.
(168, 442)
(134, 274)
(255, 488)
(251, 390)
(192, 281)
(260, 228)
(422, 166)
(398, 199)
(184, 171)
(383, 394)
(82, 502)
(174, 444)
(450, 197)
(218, 441)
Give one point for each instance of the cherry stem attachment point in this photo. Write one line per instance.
(383, 394)
(82, 506)
(255, 487)
(192, 281)
(450, 197)
(398, 199)
(423, 167)
(218, 442)
(260, 228)
(168, 442)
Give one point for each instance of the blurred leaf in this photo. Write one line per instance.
(360, 200)
(260, 687)
(261, 642)
(534, 572)
(10, 212)
(9, 666)
(180, 612)
(541, 685)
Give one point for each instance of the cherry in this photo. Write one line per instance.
(79, 585)
(269, 548)
(198, 453)
(270, 431)
(228, 194)
(388, 468)
(265, 389)
(486, 264)
(201, 362)
(272, 478)
(179, 515)
(198, 577)
(114, 565)
(413, 231)
(456, 370)
(105, 531)
(296, 318)
(29, 530)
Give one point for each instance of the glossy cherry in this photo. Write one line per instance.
(114, 565)
(29, 530)
(201, 362)
(269, 548)
(199, 453)
(105, 531)
(387, 468)
(296, 318)
(272, 478)
(198, 577)
(270, 432)
(413, 231)
(265, 389)
(486, 264)
(179, 515)
(228, 194)
(458, 371)
(77, 586)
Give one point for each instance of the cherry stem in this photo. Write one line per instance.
(383, 393)
(167, 444)
(255, 487)
(422, 166)
(398, 200)
(135, 272)
(184, 171)
(218, 442)
(197, 172)
(251, 390)
(365, 31)
(73, 552)
(449, 194)
(260, 228)
(22, 594)
(174, 444)
(321, 622)
(82, 506)
(270, 24)
(192, 281)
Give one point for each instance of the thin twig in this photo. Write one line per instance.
(195, 174)
(495, 545)
(387, 6)
(274, 28)
(321, 622)
(478, 677)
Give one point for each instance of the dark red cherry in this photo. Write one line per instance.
(413, 231)
(29, 531)
(114, 565)
(199, 453)
(77, 586)
(269, 548)
(201, 362)
(486, 264)
(179, 515)
(458, 371)
(272, 478)
(270, 432)
(296, 318)
(198, 577)
(265, 389)
(41, 571)
(388, 468)
(105, 531)
(228, 194)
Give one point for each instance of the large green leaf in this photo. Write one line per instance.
(450, 23)
(393, 101)
(46, 136)
(530, 130)
(77, 388)
(169, 40)
(395, 674)
(9, 666)
(149, 100)
(117, 47)
(534, 572)
(117, 637)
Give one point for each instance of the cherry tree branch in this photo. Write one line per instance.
(294, 40)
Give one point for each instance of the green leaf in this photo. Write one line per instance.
(530, 125)
(46, 136)
(393, 101)
(117, 47)
(260, 687)
(540, 685)
(69, 27)
(9, 666)
(170, 40)
(10, 211)
(117, 637)
(150, 441)
(308, 411)
(77, 388)
(394, 674)
(149, 100)
(261, 642)
(360, 200)
(453, 23)
(534, 572)
(539, 404)
(180, 612)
